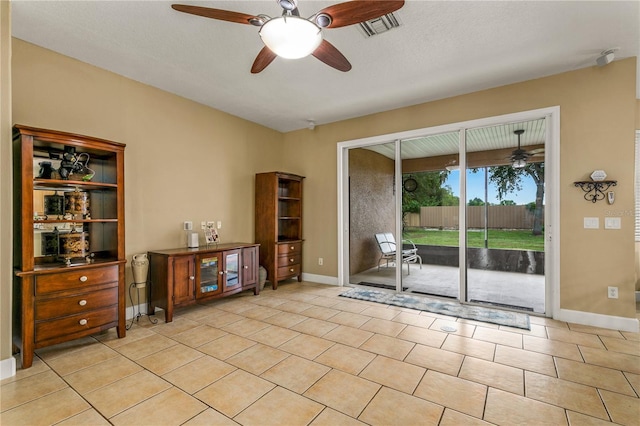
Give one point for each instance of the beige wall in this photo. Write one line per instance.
(6, 245)
(372, 206)
(598, 113)
(185, 161)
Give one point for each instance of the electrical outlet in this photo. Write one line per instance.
(320, 261)
(203, 225)
(612, 292)
(188, 225)
(219, 224)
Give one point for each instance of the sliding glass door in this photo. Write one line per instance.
(430, 214)
(456, 214)
(505, 250)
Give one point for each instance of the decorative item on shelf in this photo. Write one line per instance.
(53, 205)
(49, 241)
(77, 203)
(140, 269)
(81, 167)
(211, 235)
(192, 240)
(67, 162)
(73, 245)
(595, 189)
(73, 163)
(46, 170)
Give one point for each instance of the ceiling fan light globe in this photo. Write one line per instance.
(519, 163)
(291, 37)
(323, 20)
(288, 4)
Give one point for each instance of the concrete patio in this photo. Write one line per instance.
(511, 290)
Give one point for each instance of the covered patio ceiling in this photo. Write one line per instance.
(486, 146)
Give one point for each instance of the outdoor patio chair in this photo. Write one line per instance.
(387, 244)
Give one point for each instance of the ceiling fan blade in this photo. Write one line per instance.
(264, 58)
(207, 12)
(354, 12)
(331, 56)
(536, 151)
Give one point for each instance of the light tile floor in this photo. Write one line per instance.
(301, 355)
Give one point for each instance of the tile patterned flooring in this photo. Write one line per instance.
(301, 355)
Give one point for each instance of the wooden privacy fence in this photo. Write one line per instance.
(446, 217)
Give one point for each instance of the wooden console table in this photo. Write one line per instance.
(184, 276)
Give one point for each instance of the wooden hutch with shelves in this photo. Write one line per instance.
(68, 248)
(278, 224)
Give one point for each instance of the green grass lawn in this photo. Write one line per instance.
(498, 238)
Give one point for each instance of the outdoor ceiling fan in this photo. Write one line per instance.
(520, 156)
(292, 37)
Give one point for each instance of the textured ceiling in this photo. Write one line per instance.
(442, 49)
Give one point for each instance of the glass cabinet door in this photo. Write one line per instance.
(209, 268)
(232, 269)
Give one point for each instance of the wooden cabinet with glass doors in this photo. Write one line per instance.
(68, 250)
(184, 276)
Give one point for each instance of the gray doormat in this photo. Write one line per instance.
(454, 309)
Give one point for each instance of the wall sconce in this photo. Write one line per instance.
(596, 188)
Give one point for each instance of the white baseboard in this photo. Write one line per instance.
(7, 368)
(132, 311)
(598, 320)
(321, 279)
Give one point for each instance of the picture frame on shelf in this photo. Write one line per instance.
(211, 235)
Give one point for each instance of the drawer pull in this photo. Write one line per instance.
(82, 302)
(82, 322)
(246, 266)
(83, 278)
(221, 272)
(291, 270)
(293, 248)
(192, 278)
(291, 260)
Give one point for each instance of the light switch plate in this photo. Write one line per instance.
(612, 223)
(591, 223)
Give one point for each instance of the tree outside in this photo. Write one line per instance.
(431, 190)
(508, 180)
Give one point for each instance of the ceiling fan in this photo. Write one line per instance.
(292, 37)
(519, 156)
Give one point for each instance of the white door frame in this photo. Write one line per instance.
(552, 192)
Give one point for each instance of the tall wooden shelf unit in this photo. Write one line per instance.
(59, 295)
(278, 224)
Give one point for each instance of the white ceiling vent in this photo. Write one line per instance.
(379, 25)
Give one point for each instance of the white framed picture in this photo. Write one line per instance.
(211, 235)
